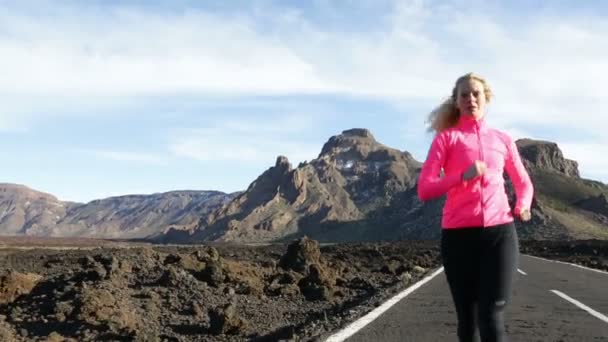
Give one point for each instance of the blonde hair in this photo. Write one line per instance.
(446, 115)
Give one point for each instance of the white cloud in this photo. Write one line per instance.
(247, 141)
(124, 156)
(11, 123)
(546, 71)
(134, 53)
(591, 158)
(271, 125)
(549, 75)
(129, 52)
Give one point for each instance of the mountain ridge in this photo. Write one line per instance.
(365, 191)
(29, 212)
(357, 189)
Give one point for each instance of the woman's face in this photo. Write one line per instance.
(471, 98)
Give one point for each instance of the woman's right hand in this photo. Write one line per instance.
(477, 169)
(525, 215)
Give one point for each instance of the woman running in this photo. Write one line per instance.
(479, 243)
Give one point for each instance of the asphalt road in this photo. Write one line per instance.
(537, 313)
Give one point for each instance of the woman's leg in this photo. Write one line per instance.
(460, 254)
(499, 259)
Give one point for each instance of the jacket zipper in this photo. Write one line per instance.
(481, 158)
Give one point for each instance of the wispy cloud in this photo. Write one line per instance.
(125, 51)
(12, 123)
(248, 140)
(78, 59)
(590, 158)
(124, 156)
(131, 52)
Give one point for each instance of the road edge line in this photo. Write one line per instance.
(359, 324)
(568, 263)
(580, 305)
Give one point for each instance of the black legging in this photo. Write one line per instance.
(480, 264)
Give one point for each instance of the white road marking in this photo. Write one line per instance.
(522, 272)
(359, 324)
(581, 305)
(568, 263)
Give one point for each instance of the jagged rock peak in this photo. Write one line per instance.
(348, 139)
(358, 132)
(283, 163)
(546, 155)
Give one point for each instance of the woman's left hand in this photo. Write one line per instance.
(525, 215)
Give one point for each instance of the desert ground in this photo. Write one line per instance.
(97, 290)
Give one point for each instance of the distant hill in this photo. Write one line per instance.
(24, 211)
(357, 189)
(361, 190)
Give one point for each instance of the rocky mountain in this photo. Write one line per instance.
(566, 206)
(24, 211)
(353, 176)
(545, 155)
(357, 189)
(360, 190)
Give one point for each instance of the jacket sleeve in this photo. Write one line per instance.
(524, 190)
(430, 184)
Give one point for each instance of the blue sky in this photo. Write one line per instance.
(105, 98)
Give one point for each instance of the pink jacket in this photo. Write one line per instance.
(482, 201)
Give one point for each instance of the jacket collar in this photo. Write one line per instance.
(469, 122)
